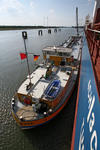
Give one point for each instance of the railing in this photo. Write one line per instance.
(93, 38)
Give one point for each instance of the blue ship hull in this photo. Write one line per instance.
(87, 120)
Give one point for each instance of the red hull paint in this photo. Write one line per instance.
(93, 39)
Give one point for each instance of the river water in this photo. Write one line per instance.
(56, 135)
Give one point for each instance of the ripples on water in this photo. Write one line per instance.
(56, 135)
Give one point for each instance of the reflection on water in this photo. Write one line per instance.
(57, 133)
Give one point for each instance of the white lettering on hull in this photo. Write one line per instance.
(90, 121)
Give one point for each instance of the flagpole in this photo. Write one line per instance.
(24, 35)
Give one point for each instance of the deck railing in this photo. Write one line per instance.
(93, 38)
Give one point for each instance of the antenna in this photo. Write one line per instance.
(77, 21)
(24, 35)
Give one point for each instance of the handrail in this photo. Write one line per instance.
(97, 31)
(93, 38)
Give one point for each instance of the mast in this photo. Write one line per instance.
(24, 35)
(77, 21)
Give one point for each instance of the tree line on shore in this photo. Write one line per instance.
(26, 27)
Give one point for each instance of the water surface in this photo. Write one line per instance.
(56, 135)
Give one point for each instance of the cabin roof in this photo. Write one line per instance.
(57, 49)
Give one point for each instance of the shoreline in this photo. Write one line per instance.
(5, 28)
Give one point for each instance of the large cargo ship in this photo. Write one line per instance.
(86, 131)
(46, 91)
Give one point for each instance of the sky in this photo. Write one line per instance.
(44, 12)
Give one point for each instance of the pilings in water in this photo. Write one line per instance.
(59, 29)
(55, 30)
(40, 32)
(49, 31)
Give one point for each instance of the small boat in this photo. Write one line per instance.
(47, 90)
(53, 89)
